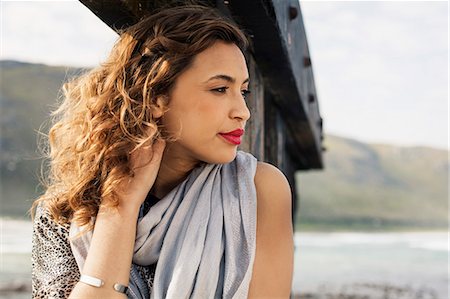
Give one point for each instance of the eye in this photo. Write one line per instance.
(245, 93)
(220, 89)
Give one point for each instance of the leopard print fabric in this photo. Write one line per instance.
(54, 269)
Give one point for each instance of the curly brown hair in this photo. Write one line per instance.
(107, 113)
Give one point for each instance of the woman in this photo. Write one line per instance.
(145, 148)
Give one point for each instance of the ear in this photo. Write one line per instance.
(158, 110)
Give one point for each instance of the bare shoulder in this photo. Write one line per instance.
(273, 266)
(272, 188)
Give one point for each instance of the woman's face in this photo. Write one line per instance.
(208, 99)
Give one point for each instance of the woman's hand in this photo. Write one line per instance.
(111, 250)
(145, 163)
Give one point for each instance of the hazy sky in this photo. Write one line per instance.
(381, 68)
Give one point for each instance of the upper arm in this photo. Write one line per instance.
(273, 266)
(54, 269)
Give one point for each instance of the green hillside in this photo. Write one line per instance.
(363, 186)
(374, 186)
(27, 93)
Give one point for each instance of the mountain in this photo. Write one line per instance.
(374, 186)
(27, 93)
(363, 186)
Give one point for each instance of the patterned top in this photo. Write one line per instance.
(54, 269)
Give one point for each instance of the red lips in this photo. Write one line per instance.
(233, 137)
(237, 132)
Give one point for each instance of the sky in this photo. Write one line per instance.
(380, 67)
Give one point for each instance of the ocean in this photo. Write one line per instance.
(372, 265)
(327, 265)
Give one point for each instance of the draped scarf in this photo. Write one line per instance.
(202, 235)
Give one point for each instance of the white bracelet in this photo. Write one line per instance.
(97, 282)
(120, 288)
(92, 281)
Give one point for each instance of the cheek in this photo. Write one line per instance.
(185, 123)
(203, 114)
(210, 109)
(199, 117)
(209, 116)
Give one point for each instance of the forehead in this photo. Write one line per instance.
(221, 57)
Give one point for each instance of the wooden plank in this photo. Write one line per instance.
(254, 136)
(279, 50)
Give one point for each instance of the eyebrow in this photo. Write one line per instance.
(226, 78)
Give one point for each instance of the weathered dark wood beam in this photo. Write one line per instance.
(281, 50)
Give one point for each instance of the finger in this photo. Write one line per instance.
(158, 150)
(159, 146)
(148, 155)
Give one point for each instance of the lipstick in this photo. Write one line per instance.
(233, 137)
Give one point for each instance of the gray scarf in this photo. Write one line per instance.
(202, 235)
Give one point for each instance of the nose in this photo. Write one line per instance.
(240, 109)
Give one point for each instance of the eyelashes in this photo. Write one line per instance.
(220, 89)
(245, 93)
(223, 90)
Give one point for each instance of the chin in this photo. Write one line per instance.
(222, 157)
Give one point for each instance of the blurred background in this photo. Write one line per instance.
(372, 224)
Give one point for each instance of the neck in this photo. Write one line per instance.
(175, 167)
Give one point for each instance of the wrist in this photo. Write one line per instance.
(123, 211)
(130, 201)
